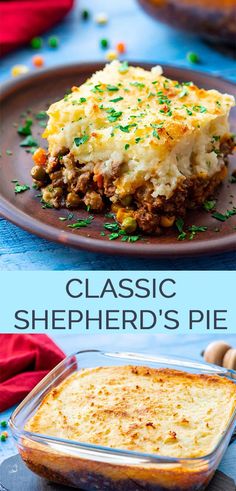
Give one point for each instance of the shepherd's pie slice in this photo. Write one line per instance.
(134, 140)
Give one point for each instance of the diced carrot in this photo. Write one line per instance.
(38, 61)
(40, 156)
(121, 48)
(100, 181)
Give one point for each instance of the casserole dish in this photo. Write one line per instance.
(87, 466)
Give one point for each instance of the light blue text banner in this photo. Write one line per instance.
(110, 302)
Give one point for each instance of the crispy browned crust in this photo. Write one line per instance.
(88, 474)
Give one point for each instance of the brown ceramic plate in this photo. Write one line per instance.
(35, 92)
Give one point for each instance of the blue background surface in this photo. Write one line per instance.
(146, 40)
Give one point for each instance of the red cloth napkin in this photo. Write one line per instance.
(21, 20)
(24, 360)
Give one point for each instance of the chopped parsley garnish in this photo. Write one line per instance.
(112, 88)
(130, 238)
(109, 215)
(114, 235)
(97, 88)
(114, 227)
(41, 115)
(168, 113)
(180, 226)
(140, 85)
(20, 188)
(127, 146)
(183, 93)
(114, 115)
(81, 222)
(194, 229)
(188, 111)
(29, 141)
(117, 99)
(126, 129)
(123, 68)
(31, 150)
(137, 140)
(8, 152)
(189, 84)
(46, 205)
(201, 109)
(117, 232)
(26, 128)
(80, 140)
(158, 126)
(69, 217)
(209, 205)
(223, 217)
(154, 133)
(43, 124)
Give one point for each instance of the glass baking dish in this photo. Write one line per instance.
(93, 467)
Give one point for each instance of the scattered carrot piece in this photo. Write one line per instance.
(121, 48)
(40, 156)
(38, 61)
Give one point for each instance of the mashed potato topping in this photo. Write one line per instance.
(164, 412)
(156, 129)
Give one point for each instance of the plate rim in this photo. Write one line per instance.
(49, 232)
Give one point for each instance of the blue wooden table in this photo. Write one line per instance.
(185, 346)
(146, 40)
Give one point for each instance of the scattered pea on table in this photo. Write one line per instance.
(53, 42)
(85, 14)
(193, 57)
(104, 43)
(36, 43)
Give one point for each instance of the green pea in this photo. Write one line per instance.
(53, 42)
(38, 173)
(193, 57)
(85, 14)
(129, 224)
(104, 43)
(36, 43)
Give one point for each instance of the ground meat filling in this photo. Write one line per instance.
(66, 183)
